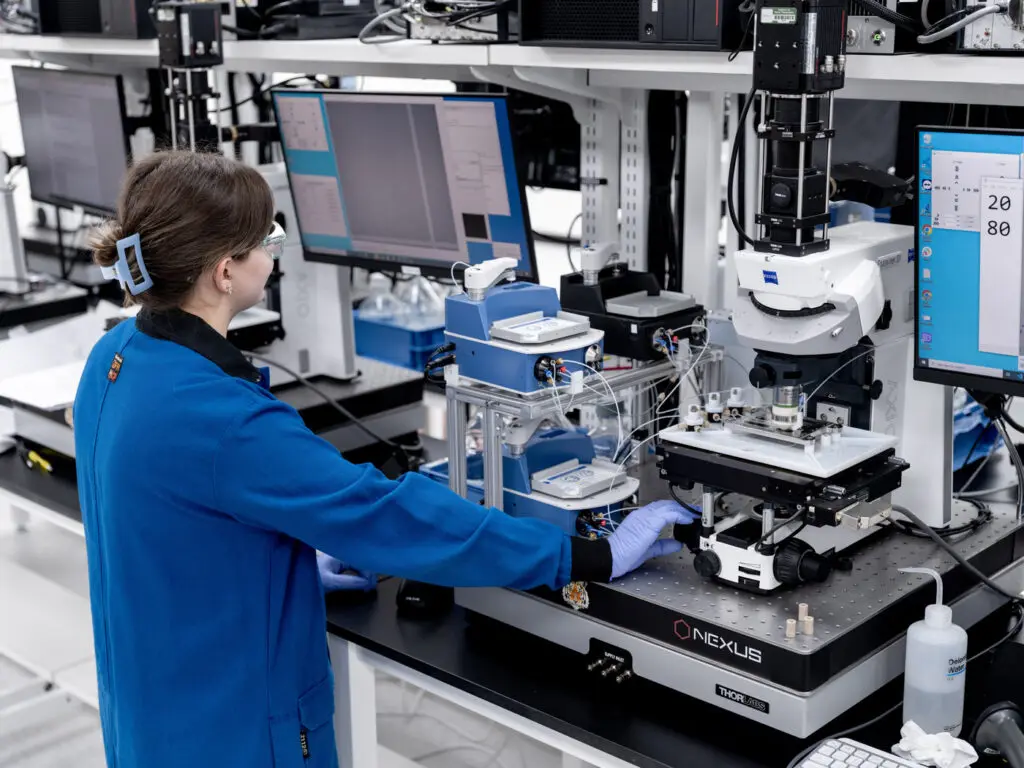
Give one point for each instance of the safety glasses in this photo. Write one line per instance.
(273, 243)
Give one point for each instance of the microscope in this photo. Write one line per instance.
(829, 313)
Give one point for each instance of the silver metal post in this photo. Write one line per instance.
(13, 269)
(190, 111)
(456, 443)
(707, 509)
(761, 162)
(768, 522)
(493, 481)
(828, 162)
(800, 171)
(173, 105)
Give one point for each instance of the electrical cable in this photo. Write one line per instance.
(489, 10)
(1005, 638)
(661, 142)
(778, 527)
(247, 34)
(383, 19)
(1011, 448)
(951, 551)
(457, 263)
(611, 392)
(568, 238)
(955, 16)
(278, 7)
(983, 517)
(952, 29)
(743, 40)
(976, 443)
(734, 156)
(681, 503)
(984, 463)
(334, 403)
(394, 26)
(883, 12)
(1011, 422)
(267, 89)
(557, 239)
(984, 492)
(852, 360)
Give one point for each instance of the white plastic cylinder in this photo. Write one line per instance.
(936, 670)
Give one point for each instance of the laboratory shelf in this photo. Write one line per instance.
(45, 628)
(973, 79)
(403, 58)
(969, 79)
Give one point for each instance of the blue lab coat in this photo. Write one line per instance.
(203, 498)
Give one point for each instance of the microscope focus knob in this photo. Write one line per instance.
(762, 376)
(707, 563)
(796, 562)
(875, 390)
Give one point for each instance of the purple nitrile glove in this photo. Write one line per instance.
(636, 540)
(334, 578)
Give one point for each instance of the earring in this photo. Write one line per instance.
(229, 288)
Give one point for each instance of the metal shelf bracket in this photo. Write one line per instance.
(510, 78)
(576, 83)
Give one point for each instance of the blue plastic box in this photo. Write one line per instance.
(407, 343)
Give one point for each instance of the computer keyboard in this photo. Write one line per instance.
(846, 753)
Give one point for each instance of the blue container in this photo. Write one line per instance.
(438, 470)
(407, 343)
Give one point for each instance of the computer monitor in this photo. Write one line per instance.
(75, 135)
(386, 180)
(970, 225)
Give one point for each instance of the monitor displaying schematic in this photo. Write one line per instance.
(386, 180)
(75, 135)
(970, 259)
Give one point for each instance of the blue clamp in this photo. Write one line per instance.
(122, 272)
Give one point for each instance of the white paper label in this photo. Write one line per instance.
(186, 35)
(1001, 217)
(778, 15)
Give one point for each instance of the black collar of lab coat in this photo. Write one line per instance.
(193, 332)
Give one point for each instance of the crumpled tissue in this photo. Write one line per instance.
(939, 749)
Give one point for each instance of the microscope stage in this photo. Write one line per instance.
(804, 455)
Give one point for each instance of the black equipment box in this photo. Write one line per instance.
(111, 18)
(190, 34)
(714, 25)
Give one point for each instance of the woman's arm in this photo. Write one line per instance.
(271, 471)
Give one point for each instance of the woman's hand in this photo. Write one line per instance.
(637, 538)
(336, 576)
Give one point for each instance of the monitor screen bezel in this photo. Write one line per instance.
(397, 265)
(118, 80)
(969, 381)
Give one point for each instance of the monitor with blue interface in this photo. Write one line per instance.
(387, 180)
(970, 250)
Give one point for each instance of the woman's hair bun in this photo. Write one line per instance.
(104, 243)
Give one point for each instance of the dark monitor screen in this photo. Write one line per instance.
(76, 142)
(970, 251)
(389, 180)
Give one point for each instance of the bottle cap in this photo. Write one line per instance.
(938, 616)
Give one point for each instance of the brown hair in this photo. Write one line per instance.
(190, 210)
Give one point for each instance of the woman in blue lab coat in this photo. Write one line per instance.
(205, 499)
